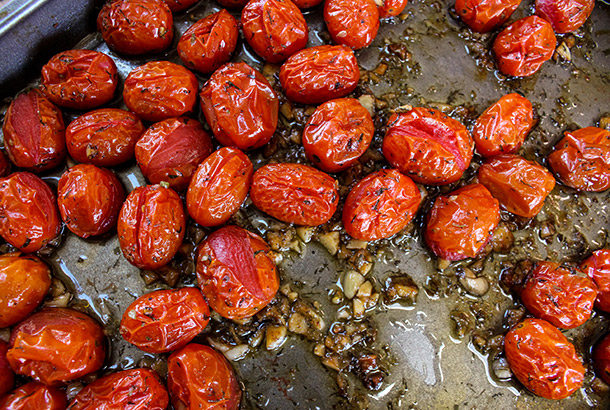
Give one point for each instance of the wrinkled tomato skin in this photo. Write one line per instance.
(601, 358)
(353, 23)
(5, 165)
(7, 377)
(136, 27)
(391, 8)
(597, 267)
(201, 378)
(306, 4)
(219, 187)
(428, 146)
(170, 150)
(29, 218)
(520, 185)
(24, 283)
(79, 79)
(34, 133)
(236, 273)
(565, 15)
(56, 345)
(337, 134)
(460, 224)
(209, 43)
(275, 29)
(232, 4)
(34, 396)
(318, 74)
(295, 193)
(240, 106)
(521, 48)
(179, 5)
(581, 160)
(485, 15)
(380, 205)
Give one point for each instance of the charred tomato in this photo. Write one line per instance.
(34, 395)
(484, 15)
(597, 267)
(353, 23)
(565, 15)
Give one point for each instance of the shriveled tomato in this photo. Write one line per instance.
(337, 134)
(484, 15)
(318, 74)
(460, 224)
(581, 160)
(601, 358)
(306, 4)
(28, 212)
(597, 267)
(428, 146)
(34, 132)
(219, 187)
(5, 165)
(521, 48)
(565, 15)
(79, 79)
(353, 23)
(7, 377)
(34, 396)
(390, 8)
(232, 4)
(57, 345)
(136, 27)
(170, 150)
(209, 43)
(520, 185)
(275, 29)
(179, 5)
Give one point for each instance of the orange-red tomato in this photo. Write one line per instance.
(381, 205)
(7, 377)
(28, 212)
(219, 187)
(232, 4)
(597, 267)
(306, 4)
(428, 146)
(151, 226)
(179, 5)
(79, 79)
(353, 23)
(170, 150)
(460, 224)
(565, 15)
(601, 358)
(57, 345)
(337, 134)
(391, 8)
(520, 185)
(318, 74)
(581, 160)
(236, 273)
(521, 48)
(34, 396)
(5, 165)
(484, 15)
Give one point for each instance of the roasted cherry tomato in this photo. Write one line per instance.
(428, 146)
(28, 212)
(79, 79)
(306, 4)
(34, 396)
(353, 23)
(565, 15)
(597, 267)
(581, 160)
(318, 74)
(484, 15)
(601, 358)
(460, 224)
(209, 43)
(337, 134)
(34, 132)
(381, 205)
(520, 185)
(295, 193)
(7, 377)
(151, 226)
(390, 8)
(89, 200)
(179, 5)
(170, 151)
(240, 106)
(57, 345)
(5, 165)
(219, 187)
(521, 48)
(24, 282)
(232, 4)
(543, 360)
(275, 29)
(136, 27)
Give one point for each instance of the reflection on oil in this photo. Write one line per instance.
(417, 349)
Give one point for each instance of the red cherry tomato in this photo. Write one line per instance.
(353, 23)
(240, 106)
(7, 377)
(28, 212)
(601, 358)
(337, 134)
(565, 15)
(209, 43)
(391, 8)
(521, 48)
(34, 396)
(201, 378)
(485, 15)
(306, 4)
(170, 151)
(581, 160)
(520, 185)
(318, 74)
(381, 205)
(232, 4)
(5, 165)
(24, 282)
(79, 79)
(136, 27)
(428, 146)
(219, 187)
(57, 345)
(460, 224)
(34, 133)
(597, 267)
(179, 5)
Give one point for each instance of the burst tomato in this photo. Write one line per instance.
(565, 15)
(601, 358)
(597, 267)
(353, 23)
(34, 396)
(7, 377)
(484, 15)
(179, 5)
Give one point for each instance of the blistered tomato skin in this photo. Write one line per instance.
(28, 212)
(565, 15)
(34, 395)
(484, 15)
(601, 358)
(219, 187)
(391, 8)
(428, 146)
(597, 267)
(353, 23)
(236, 273)
(179, 5)
(318, 74)
(7, 377)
